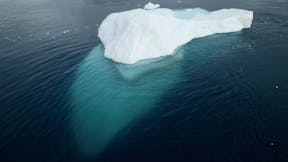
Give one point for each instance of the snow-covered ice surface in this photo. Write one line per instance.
(140, 34)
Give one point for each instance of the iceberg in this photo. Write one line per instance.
(107, 97)
(141, 34)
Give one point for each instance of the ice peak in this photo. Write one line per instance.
(151, 6)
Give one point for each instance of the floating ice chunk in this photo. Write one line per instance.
(139, 34)
(66, 31)
(151, 6)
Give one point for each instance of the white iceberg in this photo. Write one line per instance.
(151, 6)
(140, 34)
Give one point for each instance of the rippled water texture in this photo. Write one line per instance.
(219, 98)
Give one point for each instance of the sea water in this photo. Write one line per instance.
(223, 98)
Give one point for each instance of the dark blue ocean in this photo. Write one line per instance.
(222, 98)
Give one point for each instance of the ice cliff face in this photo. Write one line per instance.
(139, 34)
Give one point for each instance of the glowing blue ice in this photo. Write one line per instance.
(107, 96)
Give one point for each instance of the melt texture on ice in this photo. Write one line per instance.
(140, 34)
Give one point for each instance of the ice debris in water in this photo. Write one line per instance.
(140, 34)
(66, 31)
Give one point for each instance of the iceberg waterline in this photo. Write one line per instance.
(140, 34)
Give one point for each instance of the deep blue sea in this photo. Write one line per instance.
(222, 98)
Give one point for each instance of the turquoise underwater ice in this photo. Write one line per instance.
(107, 96)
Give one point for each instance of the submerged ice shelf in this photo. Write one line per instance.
(140, 34)
(107, 96)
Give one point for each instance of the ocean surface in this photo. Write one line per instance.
(222, 98)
